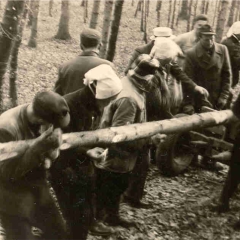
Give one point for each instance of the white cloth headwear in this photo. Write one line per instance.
(108, 83)
(234, 29)
(165, 48)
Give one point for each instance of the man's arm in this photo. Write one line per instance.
(131, 61)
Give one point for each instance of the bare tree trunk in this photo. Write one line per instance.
(9, 29)
(33, 38)
(173, 14)
(14, 57)
(195, 8)
(114, 29)
(132, 3)
(231, 14)
(95, 14)
(221, 20)
(216, 11)
(237, 14)
(189, 14)
(50, 8)
(206, 7)
(85, 11)
(83, 3)
(30, 14)
(125, 133)
(179, 9)
(138, 8)
(142, 16)
(145, 21)
(169, 13)
(63, 30)
(106, 26)
(203, 7)
(147, 7)
(158, 9)
(184, 10)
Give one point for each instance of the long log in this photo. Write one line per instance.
(126, 133)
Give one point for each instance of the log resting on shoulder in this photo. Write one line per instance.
(126, 133)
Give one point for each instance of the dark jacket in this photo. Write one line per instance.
(23, 184)
(71, 74)
(211, 72)
(233, 45)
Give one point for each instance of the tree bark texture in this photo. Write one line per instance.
(30, 15)
(63, 29)
(158, 10)
(106, 26)
(14, 57)
(217, 4)
(114, 29)
(221, 20)
(126, 133)
(33, 37)
(184, 10)
(142, 16)
(189, 16)
(195, 8)
(85, 12)
(50, 8)
(169, 13)
(145, 21)
(206, 7)
(203, 7)
(8, 33)
(138, 8)
(231, 13)
(173, 14)
(95, 14)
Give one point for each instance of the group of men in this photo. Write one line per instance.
(90, 182)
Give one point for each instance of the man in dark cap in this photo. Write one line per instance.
(25, 198)
(71, 73)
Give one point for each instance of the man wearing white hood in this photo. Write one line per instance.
(232, 42)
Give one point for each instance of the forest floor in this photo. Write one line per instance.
(181, 205)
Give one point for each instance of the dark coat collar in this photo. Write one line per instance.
(89, 53)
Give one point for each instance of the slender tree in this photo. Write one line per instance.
(179, 10)
(114, 29)
(138, 8)
(63, 29)
(95, 14)
(217, 4)
(106, 26)
(184, 10)
(30, 14)
(221, 20)
(142, 17)
(237, 13)
(203, 6)
(85, 11)
(195, 8)
(231, 13)
(206, 7)
(83, 3)
(147, 7)
(169, 13)
(14, 57)
(145, 21)
(9, 28)
(33, 37)
(50, 8)
(189, 16)
(174, 13)
(158, 10)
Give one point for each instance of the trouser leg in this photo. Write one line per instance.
(138, 177)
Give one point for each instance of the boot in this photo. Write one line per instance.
(116, 220)
(100, 229)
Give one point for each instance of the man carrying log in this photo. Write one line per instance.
(25, 198)
(114, 164)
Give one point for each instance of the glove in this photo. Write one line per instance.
(221, 103)
(202, 91)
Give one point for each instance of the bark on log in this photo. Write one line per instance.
(125, 133)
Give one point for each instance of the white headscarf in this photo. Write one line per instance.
(108, 83)
(234, 29)
(165, 48)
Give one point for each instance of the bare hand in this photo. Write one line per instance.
(202, 91)
(97, 153)
(158, 138)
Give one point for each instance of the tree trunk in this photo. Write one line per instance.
(142, 16)
(174, 13)
(179, 9)
(216, 11)
(85, 12)
(132, 3)
(231, 14)
(50, 8)
(203, 7)
(106, 26)
(206, 7)
(189, 16)
(184, 10)
(63, 30)
(95, 14)
(138, 8)
(145, 21)
(125, 133)
(195, 8)
(114, 29)
(9, 27)
(221, 20)
(147, 7)
(14, 58)
(33, 38)
(30, 14)
(83, 3)
(169, 13)
(158, 9)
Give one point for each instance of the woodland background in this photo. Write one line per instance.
(182, 205)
